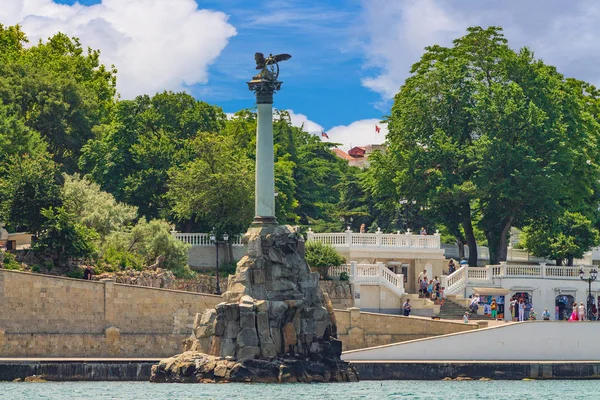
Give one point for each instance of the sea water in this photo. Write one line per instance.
(446, 390)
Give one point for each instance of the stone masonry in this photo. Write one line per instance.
(274, 325)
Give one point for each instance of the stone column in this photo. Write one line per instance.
(264, 202)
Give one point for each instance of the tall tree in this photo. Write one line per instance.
(216, 187)
(57, 89)
(147, 136)
(479, 128)
(30, 183)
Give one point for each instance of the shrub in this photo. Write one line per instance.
(321, 256)
(144, 245)
(344, 277)
(10, 262)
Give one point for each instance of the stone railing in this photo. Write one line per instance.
(203, 239)
(379, 239)
(457, 281)
(377, 274)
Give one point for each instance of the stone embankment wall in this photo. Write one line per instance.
(48, 316)
(358, 330)
(62, 317)
(341, 293)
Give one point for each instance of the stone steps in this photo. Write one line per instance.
(451, 310)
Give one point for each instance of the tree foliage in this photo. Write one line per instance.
(56, 89)
(63, 237)
(321, 256)
(564, 239)
(216, 187)
(482, 133)
(30, 184)
(147, 243)
(94, 208)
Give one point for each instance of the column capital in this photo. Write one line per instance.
(264, 89)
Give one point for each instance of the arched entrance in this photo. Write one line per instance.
(528, 304)
(564, 306)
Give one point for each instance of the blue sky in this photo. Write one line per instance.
(349, 56)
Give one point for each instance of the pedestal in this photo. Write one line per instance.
(275, 324)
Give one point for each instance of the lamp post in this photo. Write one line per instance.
(213, 239)
(590, 299)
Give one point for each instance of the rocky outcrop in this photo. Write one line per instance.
(274, 322)
(196, 367)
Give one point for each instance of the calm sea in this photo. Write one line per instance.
(446, 390)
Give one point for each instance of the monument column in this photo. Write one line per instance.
(264, 86)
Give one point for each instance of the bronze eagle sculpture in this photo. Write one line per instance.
(262, 62)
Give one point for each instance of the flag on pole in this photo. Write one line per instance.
(323, 134)
(377, 129)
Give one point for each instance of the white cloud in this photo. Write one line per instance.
(398, 32)
(155, 44)
(358, 133)
(300, 120)
(564, 35)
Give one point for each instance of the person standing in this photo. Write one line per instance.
(512, 308)
(451, 267)
(574, 313)
(423, 231)
(521, 309)
(494, 309)
(406, 308)
(87, 274)
(581, 311)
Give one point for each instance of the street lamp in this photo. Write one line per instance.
(213, 239)
(590, 299)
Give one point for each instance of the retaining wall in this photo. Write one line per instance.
(49, 316)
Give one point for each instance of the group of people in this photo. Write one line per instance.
(431, 288)
(521, 310)
(579, 313)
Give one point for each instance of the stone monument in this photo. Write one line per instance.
(275, 324)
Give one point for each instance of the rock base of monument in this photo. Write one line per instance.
(274, 325)
(195, 367)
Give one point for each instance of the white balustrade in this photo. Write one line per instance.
(389, 240)
(203, 239)
(337, 271)
(523, 270)
(456, 281)
(478, 274)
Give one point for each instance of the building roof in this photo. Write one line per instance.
(342, 154)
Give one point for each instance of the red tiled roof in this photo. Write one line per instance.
(342, 154)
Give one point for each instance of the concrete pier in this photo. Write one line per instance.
(107, 369)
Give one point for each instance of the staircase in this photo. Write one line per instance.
(452, 310)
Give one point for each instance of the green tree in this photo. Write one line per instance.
(64, 238)
(30, 184)
(564, 239)
(482, 133)
(216, 187)
(147, 244)
(321, 256)
(148, 136)
(56, 89)
(94, 208)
